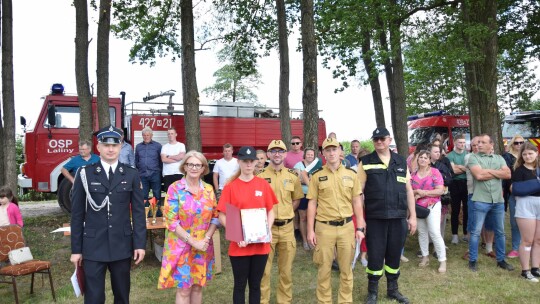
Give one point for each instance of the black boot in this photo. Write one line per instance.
(394, 294)
(373, 290)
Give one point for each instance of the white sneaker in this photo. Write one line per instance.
(364, 262)
(529, 277)
(455, 239)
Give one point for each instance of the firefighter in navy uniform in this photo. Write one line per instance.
(334, 198)
(286, 185)
(390, 211)
(102, 235)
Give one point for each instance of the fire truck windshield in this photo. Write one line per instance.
(68, 117)
(526, 128)
(425, 135)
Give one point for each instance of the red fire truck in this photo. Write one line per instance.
(53, 140)
(424, 127)
(524, 123)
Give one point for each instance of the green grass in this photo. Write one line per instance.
(459, 285)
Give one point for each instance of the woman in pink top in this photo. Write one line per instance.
(428, 186)
(9, 208)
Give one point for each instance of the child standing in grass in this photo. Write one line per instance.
(9, 208)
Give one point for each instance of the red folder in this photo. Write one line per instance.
(80, 278)
(233, 230)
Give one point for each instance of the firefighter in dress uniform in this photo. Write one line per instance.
(286, 185)
(334, 198)
(388, 195)
(102, 234)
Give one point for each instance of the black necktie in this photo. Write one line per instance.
(110, 174)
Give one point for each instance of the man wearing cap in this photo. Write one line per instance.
(288, 190)
(102, 234)
(334, 198)
(388, 197)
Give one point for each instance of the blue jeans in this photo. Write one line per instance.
(481, 211)
(470, 218)
(516, 237)
(152, 182)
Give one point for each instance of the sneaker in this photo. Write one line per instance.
(529, 277)
(435, 254)
(465, 239)
(306, 247)
(491, 254)
(364, 262)
(335, 265)
(419, 253)
(455, 239)
(513, 254)
(502, 264)
(473, 266)
(535, 272)
(404, 259)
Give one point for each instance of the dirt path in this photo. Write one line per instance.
(33, 209)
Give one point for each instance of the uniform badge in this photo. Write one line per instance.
(121, 169)
(111, 128)
(248, 152)
(98, 169)
(323, 178)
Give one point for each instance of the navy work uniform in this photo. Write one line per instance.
(286, 185)
(101, 229)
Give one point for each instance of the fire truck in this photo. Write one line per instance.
(53, 139)
(524, 123)
(424, 127)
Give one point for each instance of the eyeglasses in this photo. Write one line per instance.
(194, 166)
(376, 139)
(273, 152)
(296, 143)
(518, 143)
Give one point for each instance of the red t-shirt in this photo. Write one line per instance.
(256, 193)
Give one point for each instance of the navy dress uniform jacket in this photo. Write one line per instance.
(108, 236)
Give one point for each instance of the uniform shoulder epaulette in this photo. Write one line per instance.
(293, 172)
(316, 171)
(262, 170)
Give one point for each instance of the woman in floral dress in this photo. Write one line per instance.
(190, 216)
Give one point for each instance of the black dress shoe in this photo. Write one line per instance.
(335, 265)
(371, 298)
(502, 264)
(473, 266)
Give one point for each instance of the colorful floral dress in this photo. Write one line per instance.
(183, 266)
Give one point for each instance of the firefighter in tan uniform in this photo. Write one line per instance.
(334, 198)
(286, 185)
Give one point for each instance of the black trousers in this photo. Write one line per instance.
(169, 179)
(248, 269)
(458, 192)
(94, 281)
(385, 239)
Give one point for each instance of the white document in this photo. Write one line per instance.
(255, 225)
(356, 254)
(63, 229)
(75, 284)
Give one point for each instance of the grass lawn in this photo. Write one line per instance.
(459, 285)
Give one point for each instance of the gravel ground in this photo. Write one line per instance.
(34, 209)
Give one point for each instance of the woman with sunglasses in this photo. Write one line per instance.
(191, 216)
(510, 201)
(528, 212)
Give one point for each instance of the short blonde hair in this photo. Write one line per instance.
(198, 155)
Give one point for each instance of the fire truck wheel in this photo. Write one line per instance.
(63, 195)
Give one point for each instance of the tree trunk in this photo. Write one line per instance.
(481, 71)
(373, 75)
(8, 98)
(81, 70)
(104, 28)
(189, 78)
(2, 160)
(398, 105)
(309, 93)
(283, 45)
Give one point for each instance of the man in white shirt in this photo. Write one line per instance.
(224, 168)
(171, 154)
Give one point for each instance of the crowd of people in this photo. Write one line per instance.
(332, 203)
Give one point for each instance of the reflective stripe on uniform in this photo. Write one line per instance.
(390, 270)
(376, 166)
(374, 272)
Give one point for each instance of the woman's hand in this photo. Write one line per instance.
(242, 244)
(200, 245)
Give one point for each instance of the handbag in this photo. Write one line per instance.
(19, 256)
(422, 212)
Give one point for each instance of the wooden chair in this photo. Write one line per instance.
(11, 238)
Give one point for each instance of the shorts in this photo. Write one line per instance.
(303, 203)
(528, 207)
